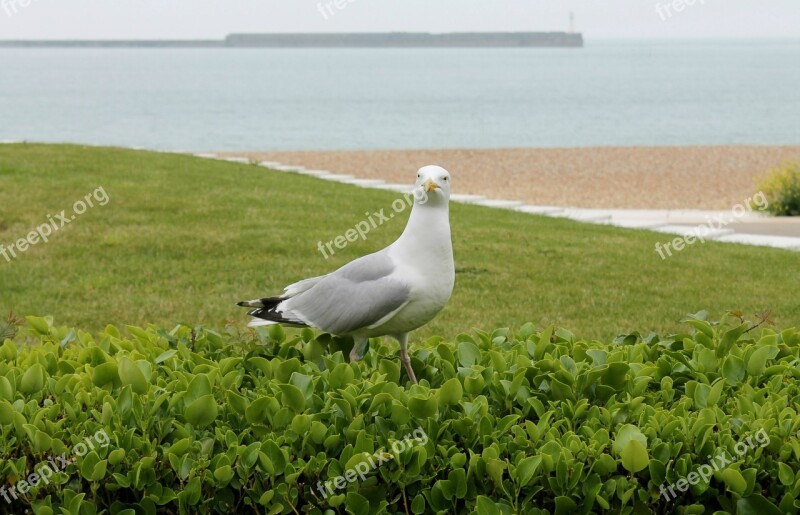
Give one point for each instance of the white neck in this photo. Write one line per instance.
(427, 233)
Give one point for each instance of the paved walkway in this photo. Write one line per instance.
(750, 228)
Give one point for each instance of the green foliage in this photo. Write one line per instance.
(509, 422)
(782, 190)
(8, 328)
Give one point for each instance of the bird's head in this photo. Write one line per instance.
(432, 186)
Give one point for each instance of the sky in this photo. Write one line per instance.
(213, 19)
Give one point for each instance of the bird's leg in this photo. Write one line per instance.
(360, 346)
(403, 339)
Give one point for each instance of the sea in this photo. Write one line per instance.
(609, 93)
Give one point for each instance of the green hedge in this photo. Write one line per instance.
(193, 421)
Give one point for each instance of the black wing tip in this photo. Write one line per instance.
(266, 302)
(273, 316)
(265, 310)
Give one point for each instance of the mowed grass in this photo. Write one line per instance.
(182, 239)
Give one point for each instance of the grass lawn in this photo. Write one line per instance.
(181, 239)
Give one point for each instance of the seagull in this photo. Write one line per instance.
(388, 293)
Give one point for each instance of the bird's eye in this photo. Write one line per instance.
(445, 178)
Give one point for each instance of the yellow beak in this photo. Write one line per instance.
(429, 186)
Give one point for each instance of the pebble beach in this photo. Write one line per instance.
(701, 177)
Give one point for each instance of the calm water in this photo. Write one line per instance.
(231, 99)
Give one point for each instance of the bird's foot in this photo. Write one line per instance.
(359, 350)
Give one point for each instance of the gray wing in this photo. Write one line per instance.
(353, 297)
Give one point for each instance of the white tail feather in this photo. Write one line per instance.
(259, 322)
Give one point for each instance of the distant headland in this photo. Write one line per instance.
(333, 40)
(409, 39)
